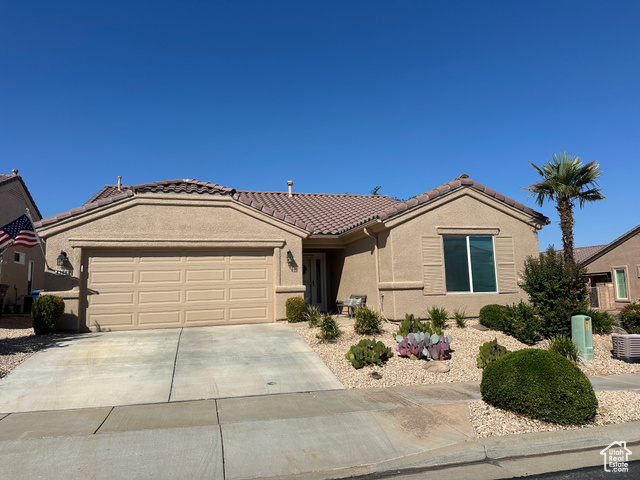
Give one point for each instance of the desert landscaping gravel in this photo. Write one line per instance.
(400, 371)
(614, 407)
(18, 341)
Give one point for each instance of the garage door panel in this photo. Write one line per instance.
(209, 316)
(160, 276)
(163, 296)
(204, 258)
(159, 289)
(249, 314)
(217, 275)
(111, 257)
(257, 257)
(112, 278)
(113, 320)
(209, 295)
(248, 294)
(242, 274)
(163, 318)
(112, 299)
(168, 257)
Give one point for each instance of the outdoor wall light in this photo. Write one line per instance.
(289, 257)
(62, 258)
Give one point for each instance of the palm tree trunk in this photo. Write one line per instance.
(565, 210)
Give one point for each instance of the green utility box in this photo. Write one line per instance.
(582, 335)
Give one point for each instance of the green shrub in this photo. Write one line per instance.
(295, 309)
(630, 318)
(367, 321)
(522, 322)
(45, 313)
(556, 290)
(410, 324)
(329, 329)
(490, 352)
(368, 352)
(493, 316)
(602, 322)
(438, 316)
(564, 346)
(541, 385)
(313, 316)
(460, 317)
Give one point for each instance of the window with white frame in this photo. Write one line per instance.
(621, 283)
(19, 257)
(469, 264)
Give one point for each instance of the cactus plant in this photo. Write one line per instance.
(368, 352)
(410, 324)
(419, 345)
(490, 352)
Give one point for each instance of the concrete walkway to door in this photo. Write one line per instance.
(165, 365)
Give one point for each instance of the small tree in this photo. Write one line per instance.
(557, 290)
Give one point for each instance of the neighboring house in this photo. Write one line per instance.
(21, 268)
(614, 270)
(184, 252)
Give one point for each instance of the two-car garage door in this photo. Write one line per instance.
(160, 288)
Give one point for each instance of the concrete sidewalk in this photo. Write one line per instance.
(406, 431)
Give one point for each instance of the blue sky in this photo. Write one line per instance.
(338, 96)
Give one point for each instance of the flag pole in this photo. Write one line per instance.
(40, 242)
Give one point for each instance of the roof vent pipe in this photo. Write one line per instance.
(290, 184)
(119, 183)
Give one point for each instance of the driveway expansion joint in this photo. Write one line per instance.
(175, 362)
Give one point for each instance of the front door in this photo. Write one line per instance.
(314, 279)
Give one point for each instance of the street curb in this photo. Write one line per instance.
(485, 450)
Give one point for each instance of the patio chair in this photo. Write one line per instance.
(353, 302)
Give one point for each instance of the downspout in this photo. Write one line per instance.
(376, 254)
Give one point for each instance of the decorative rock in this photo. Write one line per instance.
(376, 375)
(482, 328)
(619, 330)
(437, 367)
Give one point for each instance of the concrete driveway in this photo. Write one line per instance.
(165, 365)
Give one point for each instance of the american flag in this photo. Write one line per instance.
(19, 232)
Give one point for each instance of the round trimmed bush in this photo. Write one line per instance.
(493, 316)
(630, 318)
(45, 313)
(541, 385)
(295, 309)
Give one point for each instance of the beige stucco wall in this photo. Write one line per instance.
(401, 261)
(171, 221)
(625, 255)
(13, 201)
(356, 265)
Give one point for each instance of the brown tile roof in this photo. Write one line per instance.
(461, 181)
(84, 208)
(166, 186)
(320, 213)
(580, 254)
(602, 249)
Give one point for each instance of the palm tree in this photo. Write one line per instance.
(565, 180)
